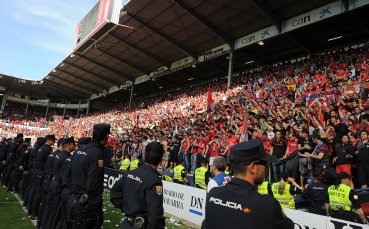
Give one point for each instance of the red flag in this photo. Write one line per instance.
(210, 99)
(79, 133)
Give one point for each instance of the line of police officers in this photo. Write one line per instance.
(63, 189)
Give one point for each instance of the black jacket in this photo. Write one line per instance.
(140, 193)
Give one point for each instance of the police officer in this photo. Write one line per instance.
(343, 200)
(36, 193)
(124, 166)
(21, 160)
(139, 193)
(67, 200)
(179, 173)
(217, 169)
(238, 201)
(28, 180)
(52, 215)
(317, 194)
(87, 179)
(11, 158)
(4, 145)
(202, 174)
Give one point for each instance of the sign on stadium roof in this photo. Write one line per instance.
(296, 22)
(105, 11)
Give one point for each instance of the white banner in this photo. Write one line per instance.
(252, 38)
(184, 202)
(312, 16)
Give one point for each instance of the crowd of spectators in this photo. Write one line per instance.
(310, 113)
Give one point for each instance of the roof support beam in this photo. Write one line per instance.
(131, 65)
(130, 78)
(85, 81)
(180, 47)
(54, 91)
(76, 94)
(92, 74)
(143, 51)
(204, 22)
(73, 84)
(268, 13)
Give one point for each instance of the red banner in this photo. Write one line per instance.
(103, 12)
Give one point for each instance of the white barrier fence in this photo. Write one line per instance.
(188, 203)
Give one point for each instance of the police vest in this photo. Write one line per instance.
(177, 173)
(134, 164)
(125, 164)
(263, 188)
(222, 179)
(200, 177)
(286, 199)
(339, 197)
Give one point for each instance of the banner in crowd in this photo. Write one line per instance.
(188, 203)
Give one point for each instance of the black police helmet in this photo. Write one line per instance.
(153, 153)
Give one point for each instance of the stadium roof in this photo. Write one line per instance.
(152, 34)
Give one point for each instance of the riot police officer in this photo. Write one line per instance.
(28, 181)
(39, 175)
(52, 209)
(21, 160)
(238, 201)
(139, 193)
(87, 180)
(66, 183)
(317, 194)
(11, 158)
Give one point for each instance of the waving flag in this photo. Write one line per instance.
(79, 133)
(210, 99)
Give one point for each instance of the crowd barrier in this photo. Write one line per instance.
(188, 203)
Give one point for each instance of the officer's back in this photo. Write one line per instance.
(139, 193)
(239, 202)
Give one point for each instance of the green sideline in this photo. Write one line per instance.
(13, 216)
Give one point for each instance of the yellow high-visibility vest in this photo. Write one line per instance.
(177, 173)
(286, 199)
(200, 177)
(339, 197)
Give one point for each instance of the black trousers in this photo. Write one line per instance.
(51, 215)
(86, 218)
(15, 179)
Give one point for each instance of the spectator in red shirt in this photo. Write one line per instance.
(232, 140)
(292, 145)
(267, 143)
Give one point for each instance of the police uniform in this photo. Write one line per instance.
(87, 180)
(53, 206)
(39, 175)
(11, 159)
(20, 160)
(317, 195)
(342, 200)
(139, 194)
(239, 203)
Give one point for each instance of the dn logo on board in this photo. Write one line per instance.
(197, 203)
